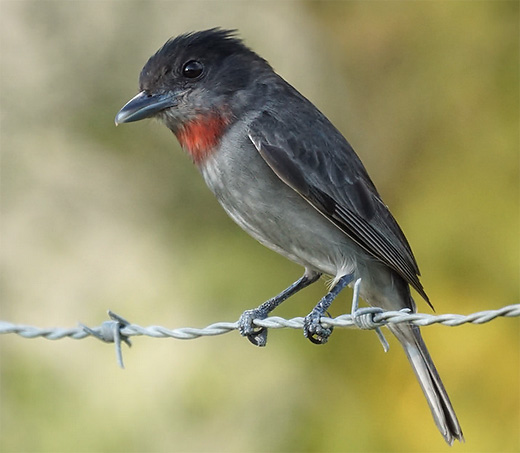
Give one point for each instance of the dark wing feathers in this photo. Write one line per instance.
(317, 162)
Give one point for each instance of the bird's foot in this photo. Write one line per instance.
(256, 335)
(312, 328)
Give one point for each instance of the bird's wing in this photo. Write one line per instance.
(316, 161)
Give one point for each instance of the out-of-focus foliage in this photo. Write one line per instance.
(95, 217)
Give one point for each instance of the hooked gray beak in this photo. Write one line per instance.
(143, 106)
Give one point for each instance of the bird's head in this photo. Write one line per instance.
(197, 84)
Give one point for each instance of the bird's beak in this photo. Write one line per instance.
(143, 106)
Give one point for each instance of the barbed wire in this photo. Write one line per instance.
(119, 329)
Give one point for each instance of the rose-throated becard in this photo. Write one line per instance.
(290, 179)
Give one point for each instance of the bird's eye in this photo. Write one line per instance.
(192, 69)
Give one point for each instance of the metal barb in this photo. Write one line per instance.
(364, 318)
(110, 332)
(119, 329)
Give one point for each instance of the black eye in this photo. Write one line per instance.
(192, 69)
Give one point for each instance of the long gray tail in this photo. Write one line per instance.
(430, 381)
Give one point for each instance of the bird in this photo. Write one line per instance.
(286, 175)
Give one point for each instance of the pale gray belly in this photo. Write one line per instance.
(274, 214)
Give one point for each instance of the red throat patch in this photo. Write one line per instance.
(200, 135)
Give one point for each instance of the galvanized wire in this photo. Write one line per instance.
(119, 329)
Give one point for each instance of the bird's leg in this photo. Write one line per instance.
(312, 329)
(258, 335)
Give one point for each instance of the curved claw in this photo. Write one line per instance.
(256, 335)
(259, 337)
(319, 339)
(314, 331)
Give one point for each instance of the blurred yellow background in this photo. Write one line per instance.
(95, 217)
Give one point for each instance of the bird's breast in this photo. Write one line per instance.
(272, 212)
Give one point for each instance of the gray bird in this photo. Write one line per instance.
(288, 177)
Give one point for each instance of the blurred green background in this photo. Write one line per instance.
(94, 217)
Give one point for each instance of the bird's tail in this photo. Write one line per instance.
(430, 381)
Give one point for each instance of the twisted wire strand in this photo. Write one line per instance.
(379, 319)
(119, 330)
